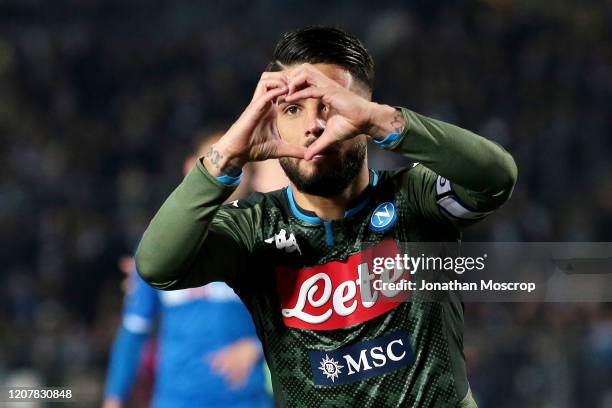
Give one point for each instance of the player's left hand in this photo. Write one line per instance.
(236, 361)
(349, 113)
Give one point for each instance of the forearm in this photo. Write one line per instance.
(220, 161)
(470, 161)
(177, 232)
(123, 365)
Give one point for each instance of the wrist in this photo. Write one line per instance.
(221, 161)
(384, 120)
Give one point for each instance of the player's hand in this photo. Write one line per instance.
(254, 137)
(112, 403)
(349, 114)
(236, 361)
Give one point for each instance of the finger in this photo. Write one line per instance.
(273, 83)
(307, 79)
(260, 106)
(237, 377)
(226, 368)
(304, 69)
(299, 81)
(310, 92)
(274, 75)
(322, 143)
(267, 77)
(309, 75)
(269, 85)
(220, 366)
(265, 85)
(284, 149)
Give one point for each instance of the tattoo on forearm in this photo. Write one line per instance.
(214, 157)
(398, 122)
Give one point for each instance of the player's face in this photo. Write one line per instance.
(301, 123)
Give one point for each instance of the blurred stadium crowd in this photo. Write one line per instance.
(100, 101)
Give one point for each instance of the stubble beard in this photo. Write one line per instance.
(327, 182)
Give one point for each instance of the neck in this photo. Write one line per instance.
(333, 208)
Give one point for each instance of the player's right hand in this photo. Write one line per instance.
(254, 136)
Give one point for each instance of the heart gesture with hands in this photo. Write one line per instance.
(255, 137)
(349, 113)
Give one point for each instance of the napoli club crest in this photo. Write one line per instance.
(383, 217)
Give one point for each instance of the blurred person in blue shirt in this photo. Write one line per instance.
(209, 354)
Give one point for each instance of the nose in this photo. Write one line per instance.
(315, 123)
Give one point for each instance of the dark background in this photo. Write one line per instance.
(100, 101)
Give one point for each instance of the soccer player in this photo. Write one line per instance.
(293, 255)
(209, 354)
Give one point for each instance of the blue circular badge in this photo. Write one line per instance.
(383, 217)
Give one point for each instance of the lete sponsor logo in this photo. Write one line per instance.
(339, 293)
(362, 360)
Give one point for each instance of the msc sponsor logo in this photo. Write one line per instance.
(383, 217)
(362, 360)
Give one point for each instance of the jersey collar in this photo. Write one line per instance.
(312, 218)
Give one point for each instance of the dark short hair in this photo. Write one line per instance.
(326, 45)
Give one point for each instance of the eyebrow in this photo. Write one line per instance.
(280, 100)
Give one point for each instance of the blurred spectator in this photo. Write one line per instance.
(208, 353)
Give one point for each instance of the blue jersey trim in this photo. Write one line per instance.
(329, 233)
(297, 212)
(352, 211)
(388, 140)
(374, 178)
(348, 213)
(230, 180)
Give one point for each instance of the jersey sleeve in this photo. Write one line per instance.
(459, 177)
(140, 310)
(192, 241)
(123, 365)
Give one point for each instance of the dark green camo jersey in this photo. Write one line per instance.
(302, 278)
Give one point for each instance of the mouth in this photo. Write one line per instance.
(327, 154)
(330, 152)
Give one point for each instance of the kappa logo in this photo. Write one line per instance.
(282, 242)
(362, 360)
(383, 217)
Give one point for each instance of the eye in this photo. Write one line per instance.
(291, 110)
